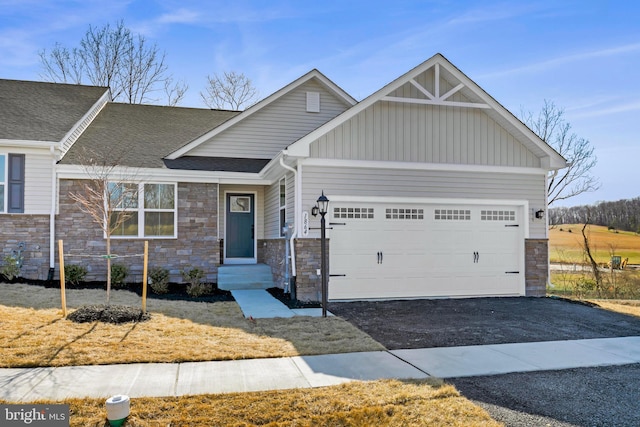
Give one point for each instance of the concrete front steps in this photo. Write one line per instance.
(244, 276)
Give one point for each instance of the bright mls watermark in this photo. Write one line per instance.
(34, 415)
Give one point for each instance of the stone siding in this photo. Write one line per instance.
(308, 262)
(272, 253)
(196, 246)
(33, 230)
(536, 267)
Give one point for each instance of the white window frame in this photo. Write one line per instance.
(141, 210)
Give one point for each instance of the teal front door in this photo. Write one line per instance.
(240, 230)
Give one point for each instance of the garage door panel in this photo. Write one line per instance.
(426, 251)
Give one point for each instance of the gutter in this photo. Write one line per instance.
(294, 232)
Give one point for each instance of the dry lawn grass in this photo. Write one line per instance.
(377, 403)
(631, 307)
(566, 246)
(33, 333)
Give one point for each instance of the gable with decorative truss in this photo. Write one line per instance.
(434, 86)
(432, 114)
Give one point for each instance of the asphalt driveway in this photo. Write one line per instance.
(603, 396)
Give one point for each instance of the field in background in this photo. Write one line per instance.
(565, 244)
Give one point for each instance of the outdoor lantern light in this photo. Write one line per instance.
(540, 214)
(322, 206)
(314, 211)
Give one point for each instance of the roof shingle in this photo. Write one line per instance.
(38, 111)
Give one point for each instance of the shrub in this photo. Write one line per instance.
(10, 268)
(195, 287)
(119, 273)
(159, 280)
(74, 274)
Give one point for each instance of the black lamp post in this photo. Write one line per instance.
(323, 205)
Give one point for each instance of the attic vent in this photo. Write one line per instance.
(313, 102)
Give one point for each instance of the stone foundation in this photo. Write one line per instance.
(536, 267)
(195, 247)
(272, 253)
(308, 262)
(33, 230)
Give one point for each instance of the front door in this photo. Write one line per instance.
(240, 239)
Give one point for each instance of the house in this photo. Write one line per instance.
(435, 189)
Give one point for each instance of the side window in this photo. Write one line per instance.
(283, 205)
(15, 184)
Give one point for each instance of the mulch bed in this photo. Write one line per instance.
(115, 314)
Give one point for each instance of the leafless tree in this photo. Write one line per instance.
(109, 196)
(113, 57)
(231, 91)
(551, 126)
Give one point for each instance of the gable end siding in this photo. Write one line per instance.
(389, 131)
(270, 130)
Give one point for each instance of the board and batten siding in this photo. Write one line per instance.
(425, 184)
(37, 183)
(391, 131)
(268, 131)
(259, 205)
(272, 206)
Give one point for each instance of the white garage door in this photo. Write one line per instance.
(395, 251)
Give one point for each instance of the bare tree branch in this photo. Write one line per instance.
(551, 127)
(231, 91)
(113, 57)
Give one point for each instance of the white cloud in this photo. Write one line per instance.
(566, 59)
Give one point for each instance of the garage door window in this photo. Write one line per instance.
(497, 215)
(452, 215)
(403, 213)
(353, 213)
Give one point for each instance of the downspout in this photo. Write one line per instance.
(52, 215)
(294, 232)
(546, 231)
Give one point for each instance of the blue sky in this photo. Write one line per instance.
(582, 55)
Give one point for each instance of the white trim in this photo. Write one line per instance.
(78, 172)
(433, 102)
(372, 164)
(260, 105)
(28, 144)
(93, 111)
(253, 260)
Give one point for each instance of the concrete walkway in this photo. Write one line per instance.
(260, 304)
(176, 379)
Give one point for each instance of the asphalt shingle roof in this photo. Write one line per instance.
(137, 135)
(38, 111)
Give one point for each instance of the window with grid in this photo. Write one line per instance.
(143, 210)
(452, 215)
(497, 215)
(404, 213)
(353, 213)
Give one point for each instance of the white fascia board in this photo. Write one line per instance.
(171, 175)
(23, 143)
(445, 167)
(94, 110)
(260, 105)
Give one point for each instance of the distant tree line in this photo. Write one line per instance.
(621, 215)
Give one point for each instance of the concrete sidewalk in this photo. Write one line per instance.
(176, 379)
